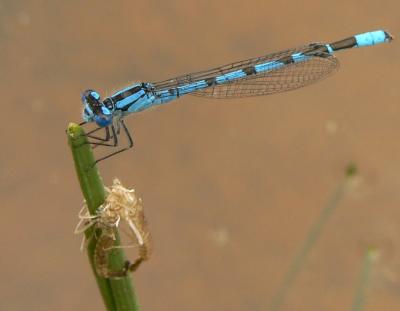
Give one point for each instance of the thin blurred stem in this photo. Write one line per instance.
(313, 235)
(363, 280)
(118, 294)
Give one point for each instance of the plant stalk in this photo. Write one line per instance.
(118, 294)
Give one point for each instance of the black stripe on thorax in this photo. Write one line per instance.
(127, 93)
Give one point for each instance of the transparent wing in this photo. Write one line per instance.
(285, 78)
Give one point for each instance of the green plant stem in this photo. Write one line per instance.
(313, 235)
(118, 294)
(363, 280)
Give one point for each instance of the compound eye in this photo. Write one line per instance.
(90, 96)
(95, 95)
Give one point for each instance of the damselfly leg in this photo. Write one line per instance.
(102, 141)
(106, 138)
(110, 139)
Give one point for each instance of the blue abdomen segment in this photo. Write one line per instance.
(268, 66)
(230, 76)
(372, 38)
(191, 87)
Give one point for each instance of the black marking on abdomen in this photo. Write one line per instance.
(249, 70)
(317, 49)
(287, 60)
(211, 81)
(344, 44)
(174, 92)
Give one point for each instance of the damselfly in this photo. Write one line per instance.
(272, 73)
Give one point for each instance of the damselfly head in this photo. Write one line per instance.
(95, 110)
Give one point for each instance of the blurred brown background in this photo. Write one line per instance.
(231, 188)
